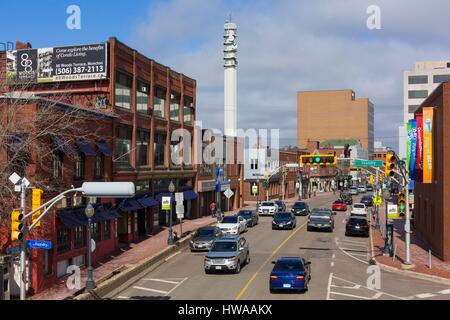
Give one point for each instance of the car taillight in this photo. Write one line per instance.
(301, 278)
(273, 278)
(331, 221)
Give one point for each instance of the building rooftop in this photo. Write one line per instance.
(338, 142)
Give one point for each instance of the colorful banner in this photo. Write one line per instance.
(412, 138)
(419, 147)
(427, 145)
(408, 145)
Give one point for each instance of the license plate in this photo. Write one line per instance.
(286, 285)
(357, 227)
(319, 225)
(266, 211)
(218, 268)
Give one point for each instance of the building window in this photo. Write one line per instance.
(143, 140)
(107, 230)
(441, 78)
(79, 161)
(80, 237)
(417, 79)
(254, 164)
(188, 110)
(159, 148)
(123, 145)
(57, 164)
(417, 94)
(95, 231)
(63, 239)
(159, 102)
(142, 93)
(99, 165)
(175, 107)
(412, 108)
(123, 90)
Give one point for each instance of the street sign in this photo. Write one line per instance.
(292, 165)
(39, 244)
(180, 211)
(165, 203)
(255, 189)
(377, 200)
(368, 163)
(392, 211)
(179, 197)
(228, 193)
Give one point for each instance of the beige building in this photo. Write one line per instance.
(334, 114)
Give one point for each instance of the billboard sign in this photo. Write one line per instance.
(57, 64)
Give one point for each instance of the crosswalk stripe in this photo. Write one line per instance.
(446, 291)
(153, 290)
(161, 280)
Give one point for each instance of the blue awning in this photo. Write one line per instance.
(86, 148)
(63, 146)
(68, 218)
(147, 201)
(76, 217)
(160, 195)
(104, 148)
(130, 205)
(189, 195)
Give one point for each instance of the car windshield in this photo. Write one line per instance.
(299, 205)
(282, 215)
(339, 201)
(226, 246)
(229, 220)
(357, 221)
(204, 232)
(245, 214)
(367, 198)
(320, 213)
(288, 265)
(267, 204)
(353, 188)
(358, 206)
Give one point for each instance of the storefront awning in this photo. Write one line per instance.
(147, 201)
(189, 195)
(130, 205)
(63, 146)
(104, 148)
(86, 148)
(75, 217)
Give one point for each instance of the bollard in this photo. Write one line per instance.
(429, 259)
(395, 253)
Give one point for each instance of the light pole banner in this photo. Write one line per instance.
(419, 147)
(408, 144)
(412, 137)
(427, 145)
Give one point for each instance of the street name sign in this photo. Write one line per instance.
(179, 197)
(368, 163)
(40, 244)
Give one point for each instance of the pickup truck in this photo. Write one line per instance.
(358, 209)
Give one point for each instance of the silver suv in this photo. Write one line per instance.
(227, 254)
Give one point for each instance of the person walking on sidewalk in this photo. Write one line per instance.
(213, 209)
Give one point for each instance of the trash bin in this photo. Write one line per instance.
(5, 268)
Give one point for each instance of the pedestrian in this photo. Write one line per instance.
(213, 207)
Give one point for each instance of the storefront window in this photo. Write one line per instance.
(80, 237)
(107, 230)
(95, 231)
(63, 239)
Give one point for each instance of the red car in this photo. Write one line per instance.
(339, 205)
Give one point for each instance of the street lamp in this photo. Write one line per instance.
(171, 190)
(89, 212)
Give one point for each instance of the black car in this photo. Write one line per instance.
(284, 220)
(300, 208)
(367, 200)
(357, 226)
(281, 205)
(369, 188)
(250, 216)
(347, 197)
(204, 238)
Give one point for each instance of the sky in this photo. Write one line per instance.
(284, 46)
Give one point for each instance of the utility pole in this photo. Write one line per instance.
(23, 243)
(407, 227)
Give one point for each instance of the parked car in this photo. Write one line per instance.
(367, 200)
(284, 220)
(362, 189)
(300, 208)
(268, 208)
(357, 226)
(290, 273)
(339, 205)
(358, 209)
(250, 216)
(227, 254)
(281, 205)
(204, 237)
(353, 190)
(322, 219)
(369, 188)
(232, 225)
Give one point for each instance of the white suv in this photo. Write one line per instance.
(268, 208)
(358, 209)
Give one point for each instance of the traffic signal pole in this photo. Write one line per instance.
(23, 274)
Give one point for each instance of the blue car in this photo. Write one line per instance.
(290, 273)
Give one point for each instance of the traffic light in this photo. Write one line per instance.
(318, 159)
(36, 196)
(371, 179)
(401, 203)
(390, 165)
(17, 225)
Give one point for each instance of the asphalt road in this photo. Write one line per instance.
(339, 269)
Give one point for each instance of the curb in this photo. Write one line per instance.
(412, 274)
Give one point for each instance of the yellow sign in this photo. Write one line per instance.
(36, 195)
(165, 203)
(377, 200)
(427, 144)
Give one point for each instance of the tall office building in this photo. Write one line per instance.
(418, 84)
(334, 114)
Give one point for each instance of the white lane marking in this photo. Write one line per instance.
(446, 291)
(179, 284)
(351, 295)
(161, 280)
(171, 256)
(333, 256)
(123, 297)
(356, 286)
(330, 278)
(332, 264)
(355, 243)
(152, 290)
(425, 295)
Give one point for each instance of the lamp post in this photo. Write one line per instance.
(89, 212)
(171, 190)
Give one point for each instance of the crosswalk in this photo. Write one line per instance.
(151, 287)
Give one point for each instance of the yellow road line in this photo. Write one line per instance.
(249, 282)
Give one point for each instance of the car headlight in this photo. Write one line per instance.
(289, 222)
(274, 222)
(232, 259)
(208, 259)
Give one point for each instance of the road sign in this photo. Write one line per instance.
(255, 189)
(180, 211)
(377, 200)
(292, 165)
(392, 211)
(228, 193)
(368, 163)
(179, 197)
(165, 203)
(40, 244)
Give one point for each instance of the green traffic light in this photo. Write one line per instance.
(402, 208)
(317, 159)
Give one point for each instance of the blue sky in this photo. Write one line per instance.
(283, 46)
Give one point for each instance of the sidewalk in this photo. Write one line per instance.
(419, 252)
